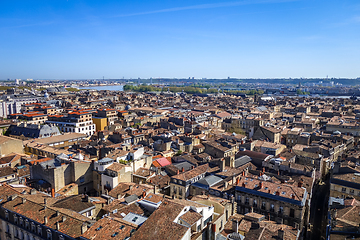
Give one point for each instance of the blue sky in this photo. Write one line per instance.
(76, 39)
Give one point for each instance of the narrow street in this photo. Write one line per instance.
(318, 210)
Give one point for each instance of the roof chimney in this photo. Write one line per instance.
(237, 181)
(57, 226)
(222, 165)
(83, 228)
(243, 185)
(300, 183)
(53, 192)
(182, 169)
(45, 220)
(63, 218)
(23, 200)
(281, 234)
(277, 193)
(261, 185)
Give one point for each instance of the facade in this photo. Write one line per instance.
(100, 123)
(10, 145)
(345, 185)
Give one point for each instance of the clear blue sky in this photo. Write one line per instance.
(74, 39)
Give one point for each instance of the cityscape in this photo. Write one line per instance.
(180, 120)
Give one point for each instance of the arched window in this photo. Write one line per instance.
(15, 219)
(39, 230)
(33, 228)
(27, 225)
(21, 221)
(7, 214)
(48, 234)
(61, 237)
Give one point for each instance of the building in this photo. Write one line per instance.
(78, 122)
(282, 203)
(10, 145)
(100, 123)
(59, 174)
(24, 131)
(180, 184)
(27, 214)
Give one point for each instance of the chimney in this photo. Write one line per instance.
(263, 169)
(57, 213)
(178, 172)
(226, 184)
(83, 228)
(144, 194)
(130, 187)
(45, 220)
(154, 189)
(32, 191)
(281, 234)
(235, 225)
(261, 185)
(57, 226)
(300, 183)
(53, 192)
(243, 173)
(277, 193)
(63, 218)
(23, 200)
(45, 201)
(243, 185)
(222, 165)
(237, 181)
(192, 167)
(182, 169)
(293, 196)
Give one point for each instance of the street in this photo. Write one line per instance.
(319, 208)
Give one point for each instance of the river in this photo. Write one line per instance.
(107, 87)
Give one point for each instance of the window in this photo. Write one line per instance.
(39, 230)
(281, 210)
(255, 203)
(263, 205)
(351, 191)
(343, 189)
(246, 200)
(82, 179)
(272, 207)
(292, 212)
(48, 234)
